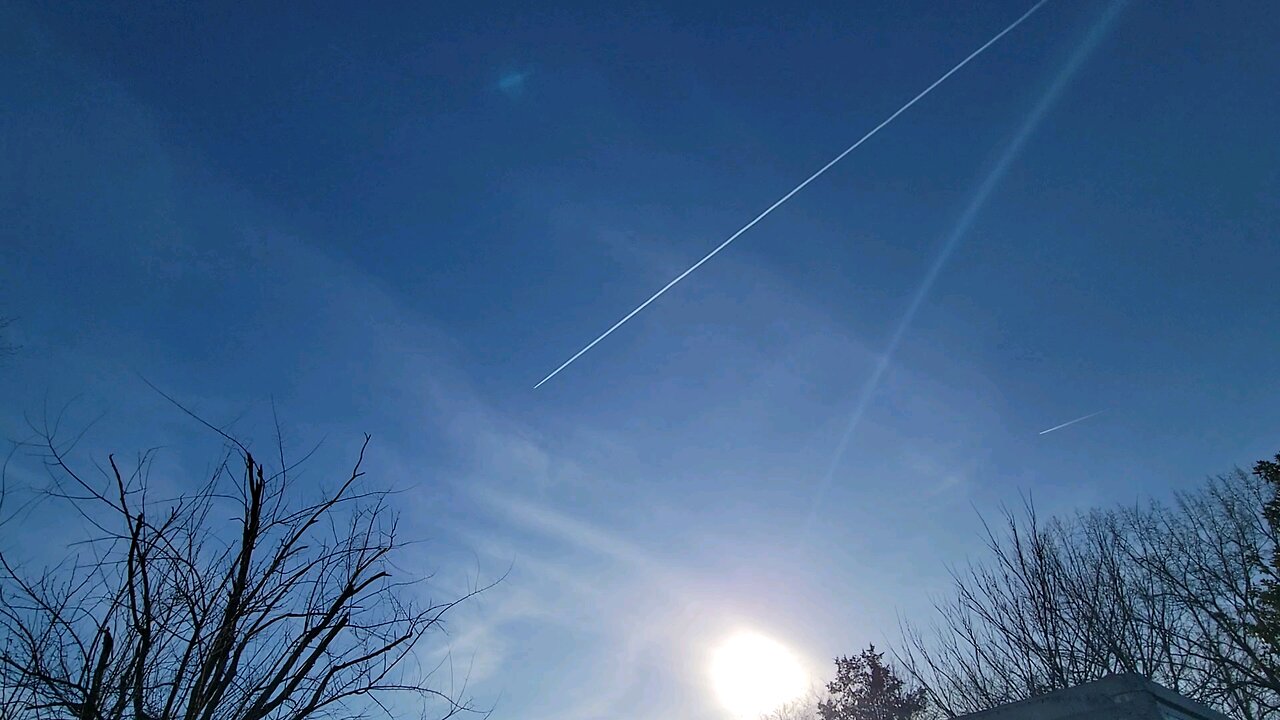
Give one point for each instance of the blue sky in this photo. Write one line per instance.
(399, 221)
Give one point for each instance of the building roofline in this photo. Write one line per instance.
(1113, 689)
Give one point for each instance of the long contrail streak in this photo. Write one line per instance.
(795, 190)
(1071, 422)
(966, 220)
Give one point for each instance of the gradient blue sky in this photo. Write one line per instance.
(398, 220)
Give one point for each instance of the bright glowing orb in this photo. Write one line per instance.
(753, 675)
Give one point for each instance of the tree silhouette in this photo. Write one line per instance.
(245, 598)
(1267, 625)
(867, 688)
(1182, 593)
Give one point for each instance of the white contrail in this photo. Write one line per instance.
(796, 189)
(1072, 422)
(967, 218)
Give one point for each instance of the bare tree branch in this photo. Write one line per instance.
(165, 615)
(1169, 592)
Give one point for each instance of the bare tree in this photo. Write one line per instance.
(168, 612)
(1206, 555)
(1169, 592)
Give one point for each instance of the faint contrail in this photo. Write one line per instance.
(796, 189)
(1071, 422)
(984, 191)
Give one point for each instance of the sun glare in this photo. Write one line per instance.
(753, 675)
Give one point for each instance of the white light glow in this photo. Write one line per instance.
(753, 675)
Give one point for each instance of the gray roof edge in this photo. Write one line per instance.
(1110, 686)
(1183, 703)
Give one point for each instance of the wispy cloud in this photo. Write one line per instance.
(567, 529)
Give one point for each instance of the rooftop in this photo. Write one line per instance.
(1115, 697)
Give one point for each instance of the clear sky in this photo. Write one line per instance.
(397, 220)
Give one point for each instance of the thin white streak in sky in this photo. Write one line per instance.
(965, 222)
(1071, 422)
(794, 190)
